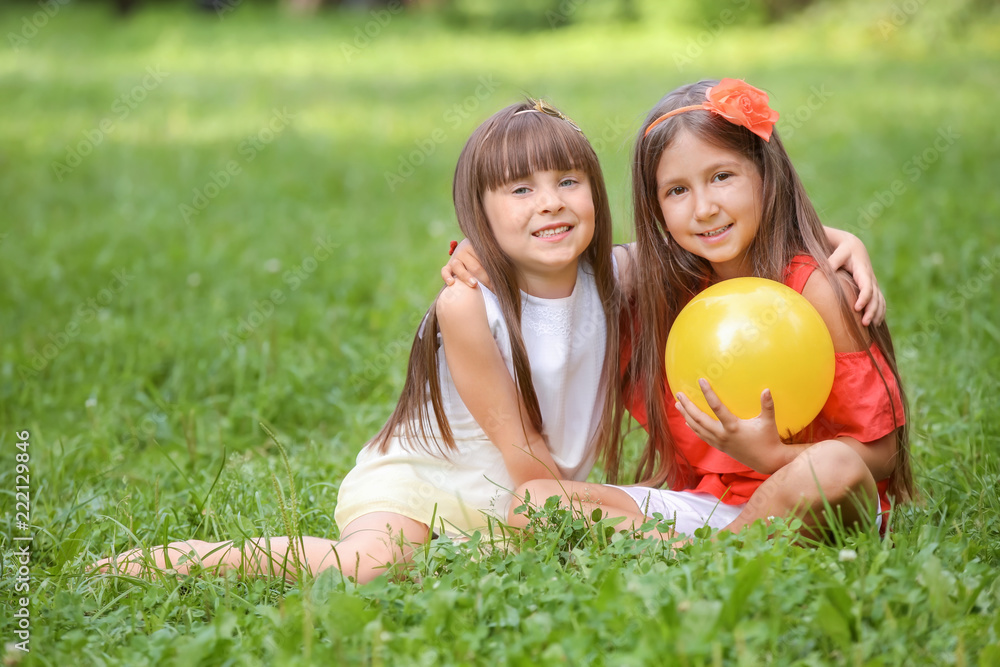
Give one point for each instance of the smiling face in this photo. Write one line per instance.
(710, 198)
(543, 222)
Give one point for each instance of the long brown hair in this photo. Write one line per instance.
(671, 276)
(508, 146)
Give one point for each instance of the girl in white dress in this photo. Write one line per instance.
(504, 385)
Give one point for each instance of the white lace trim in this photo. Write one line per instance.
(548, 321)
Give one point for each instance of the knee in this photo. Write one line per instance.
(838, 471)
(537, 491)
(533, 494)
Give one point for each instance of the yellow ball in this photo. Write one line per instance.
(746, 335)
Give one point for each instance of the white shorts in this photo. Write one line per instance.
(690, 511)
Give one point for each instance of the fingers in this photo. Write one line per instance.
(708, 429)
(456, 269)
(123, 564)
(465, 266)
(695, 418)
(120, 564)
(100, 567)
(768, 421)
(875, 309)
(851, 255)
(461, 265)
(464, 272)
(142, 561)
(866, 288)
(865, 303)
(726, 418)
(464, 263)
(766, 403)
(446, 275)
(872, 301)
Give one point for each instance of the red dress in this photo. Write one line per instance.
(859, 407)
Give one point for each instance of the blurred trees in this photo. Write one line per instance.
(520, 15)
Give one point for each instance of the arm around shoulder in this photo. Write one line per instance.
(850, 254)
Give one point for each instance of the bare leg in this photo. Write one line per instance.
(372, 543)
(368, 547)
(829, 476)
(582, 496)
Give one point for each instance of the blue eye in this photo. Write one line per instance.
(568, 181)
(521, 190)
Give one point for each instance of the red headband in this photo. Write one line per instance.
(736, 101)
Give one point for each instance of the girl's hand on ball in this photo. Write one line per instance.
(753, 442)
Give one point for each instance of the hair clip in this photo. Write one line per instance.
(541, 106)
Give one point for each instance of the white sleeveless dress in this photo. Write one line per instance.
(565, 341)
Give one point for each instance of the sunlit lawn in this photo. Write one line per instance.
(209, 224)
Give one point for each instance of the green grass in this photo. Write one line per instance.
(241, 315)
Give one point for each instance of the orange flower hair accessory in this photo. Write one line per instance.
(736, 101)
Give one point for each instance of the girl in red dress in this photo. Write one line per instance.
(716, 197)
